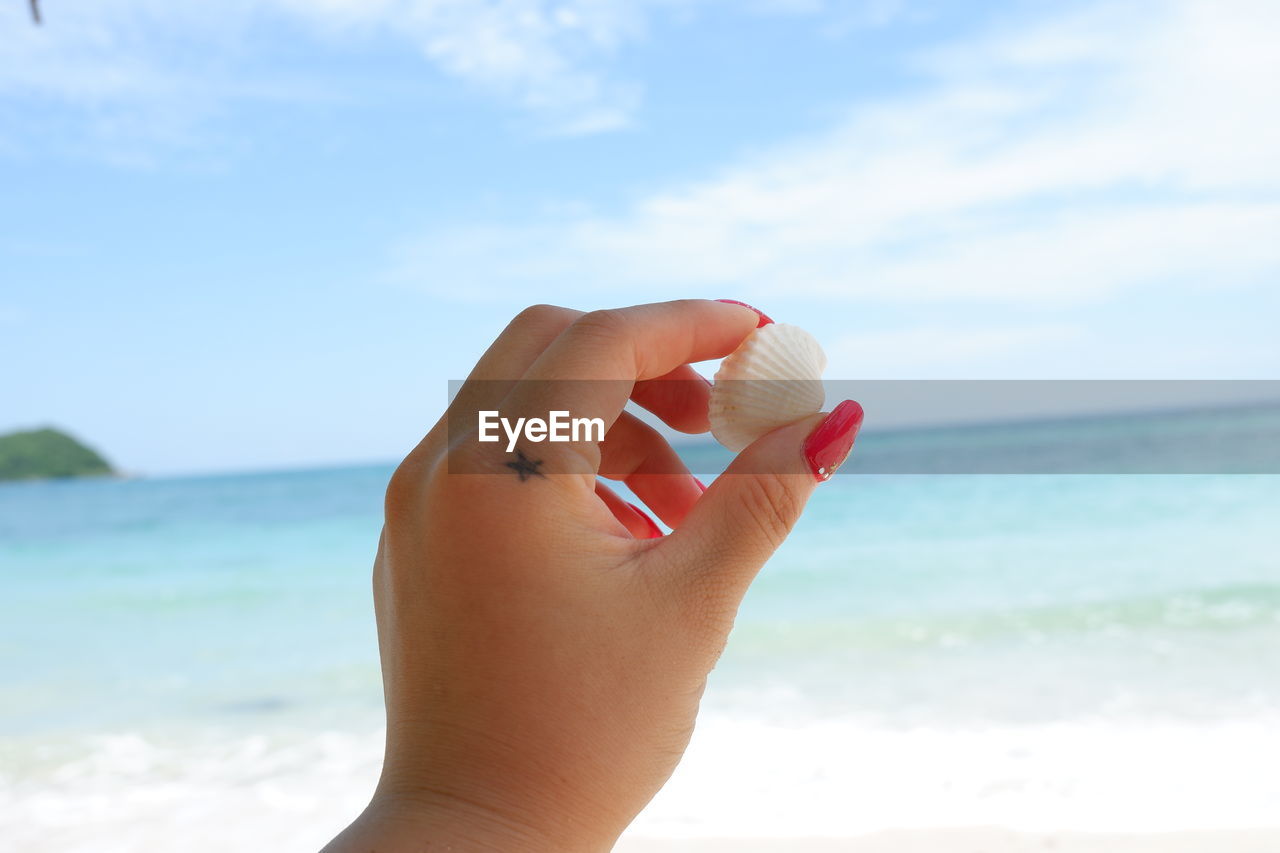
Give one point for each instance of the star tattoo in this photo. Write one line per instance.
(525, 467)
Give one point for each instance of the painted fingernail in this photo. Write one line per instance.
(764, 318)
(654, 530)
(827, 446)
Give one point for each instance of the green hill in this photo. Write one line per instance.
(43, 453)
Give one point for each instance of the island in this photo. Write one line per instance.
(46, 453)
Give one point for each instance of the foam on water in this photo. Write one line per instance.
(740, 777)
(202, 791)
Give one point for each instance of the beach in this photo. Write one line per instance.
(977, 841)
(953, 662)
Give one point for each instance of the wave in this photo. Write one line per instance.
(1227, 608)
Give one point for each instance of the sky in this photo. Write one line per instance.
(266, 233)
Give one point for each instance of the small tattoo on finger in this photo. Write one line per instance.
(526, 467)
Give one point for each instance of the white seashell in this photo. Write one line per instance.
(774, 378)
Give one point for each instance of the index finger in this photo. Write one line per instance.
(606, 352)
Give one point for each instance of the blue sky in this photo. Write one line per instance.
(267, 232)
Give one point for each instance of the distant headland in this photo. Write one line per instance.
(48, 453)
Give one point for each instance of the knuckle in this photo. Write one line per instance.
(605, 323)
(538, 315)
(462, 458)
(415, 485)
(770, 507)
(404, 488)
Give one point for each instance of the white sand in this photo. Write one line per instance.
(976, 841)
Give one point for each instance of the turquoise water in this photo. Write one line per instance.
(153, 601)
(998, 598)
(223, 621)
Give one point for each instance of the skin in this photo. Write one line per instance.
(542, 657)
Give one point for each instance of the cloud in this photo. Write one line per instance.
(1047, 163)
(145, 62)
(545, 56)
(147, 68)
(120, 80)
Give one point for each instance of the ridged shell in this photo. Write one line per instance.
(774, 378)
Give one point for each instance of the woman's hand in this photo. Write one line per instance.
(544, 647)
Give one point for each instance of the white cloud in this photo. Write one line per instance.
(1057, 162)
(149, 67)
(150, 58)
(118, 79)
(544, 55)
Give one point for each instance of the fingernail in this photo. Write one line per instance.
(827, 446)
(701, 485)
(654, 530)
(764, 318)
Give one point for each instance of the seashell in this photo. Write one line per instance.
(774, 378)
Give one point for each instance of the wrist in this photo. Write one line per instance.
(421, 820)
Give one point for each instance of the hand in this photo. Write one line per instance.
(544, 648)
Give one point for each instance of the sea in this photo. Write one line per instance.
(190, 662)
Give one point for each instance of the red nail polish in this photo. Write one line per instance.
(764, 318)
(828, 445)
(654, 530)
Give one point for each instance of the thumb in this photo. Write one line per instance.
(748, 511)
